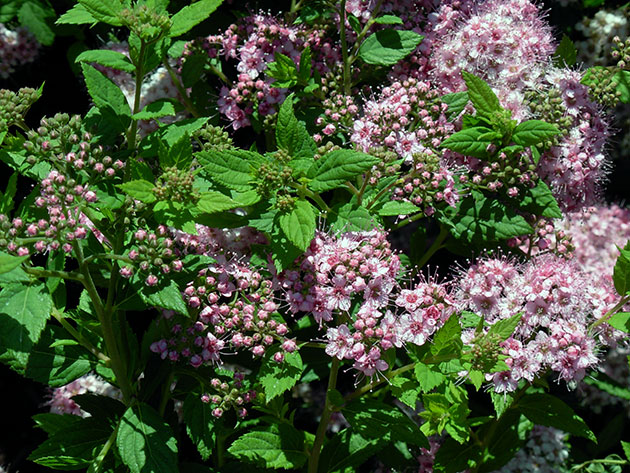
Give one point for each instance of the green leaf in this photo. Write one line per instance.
(107, 97)
(276, 378)
(199, 424)
(281, 446)
(454, 458)
(7, 202)
(104, 10)
(566, 54)
(456, 102)
(621, 273)
(284, 70)
(53, 423)
(388, 20)
(501, 402)
(139, 189)
(33, 16)
(291, 134)
(145, 442)
(190, 16)
(10, 262)
(539, 200)
(167, 297)
(335, 168)
(347, 450)
(622, 78)
(107, 58)
(299, 224)
(376, 420)
(72, 447)
(428, 376)
(620, 321)
(543, 409)
(505, 327)
(626, 449)
(604, 383)
(405, 389)
(230, 168)
(396, 208)
(212, 201)
(387, 47)
(158, 109)
(479, 219)
(350, 217)
(77, 15)
(24, 311)
(532, 132)
(178, 154)
(481, 95)
(468, 142)
(448, 338)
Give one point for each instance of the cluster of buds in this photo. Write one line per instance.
(14, 106)
(546, 239)
(154, 254)
(214, 138)
(176, 185)
(548, 106)
(340, 110)
(229, 395)
(275, 176)
(147, 23)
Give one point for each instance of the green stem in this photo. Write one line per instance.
(364, 31)
(166, 393)
(364, 184)
(78, 337)
(323, 423)
(95, 256)
(368, 387)
(133, 127)
(435, 246)
(97, 464)
(353, 189)
(623, 301)
(383, 191)
(603, 461)
(344, 48)
(180, 88)
(46, 273)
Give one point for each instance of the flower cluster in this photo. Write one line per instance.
(61, 401)
(558, 303)
(598, 32)
(13, 106)
(230, 394)
(17, 47)
(546, 451)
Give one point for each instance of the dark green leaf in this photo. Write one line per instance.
(10, 262)
(454, 458)
(199, 424)
(276, 378)
(335, 168)
(299, 224)
(190, 16)
(8, 199)
(282, 446)
(104, 10)
(481, 95)
(456, 102)
(347, 450)
(107, 58)
(350, 217)
(177, 154)
(167, 297)
(387, 47)
(539, 200)
(145, 442)
(107, 96)
(291, 134)
(212, 201)
(33, 16)
(566, 54)
(544, 409)
(622, 78)
(405, 390)
(396, 208)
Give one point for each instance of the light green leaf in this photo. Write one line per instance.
(104, 10)
(178, 154)
(335, 168)
(107, 97)
(621, 273)
(405, 389)
(158, 109)
(145, 442)
(276, 378)
(282, 446)
(456, 102)
(387, 47)
(190, 16)
(428, 376)
(7, 202)
(350, 217)
(448, 338)
(167, 297)
(139, 189)
(299, 224)
(107, 58)
(468, 142)
(212, 201)
(620, 321)
(626, 449)
(481, 95)
(622, 78)
(388, 20)
(505, 327)
(230, 168)
(9, 262)
(544, 409)
(397, 207)
(33, 16)
(77, 15)
(291, 134)
(532, 132)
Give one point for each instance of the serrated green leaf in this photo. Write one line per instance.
(620, 321)
(621, 272)
(387, 47)
(374, 419)
(454, 458)
(350, 217)
(335, 168)
(532, 132)
(230, 168)
(481, 95)
(276, 378)
(388, 20)
(346, 451)
(468, 142)
(7, 202)
(626, 449)
(190, 16)
(505, 327)
(166, 297)
(405, 390)
(145, 442)
(178, 154)
(448, 338)
(544, 409)
(53, 423)
(299, 224)
(212, 201)
(107, 97)
(291, 134)
(281, 446)
(77, 15)
(539, 200)
(396, 208)
(139, 189)
(456, 102)
(107, 58)
(428, 376)
(104, 10)
(159, 108)
(622, 79)
(199, 424)
(33, 16)
(9, 262)
(566, 53)
(73, 447)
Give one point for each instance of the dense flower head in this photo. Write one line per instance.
(558, 303)
(17, 47)
(61, 401)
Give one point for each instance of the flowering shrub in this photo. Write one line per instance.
(223, 263)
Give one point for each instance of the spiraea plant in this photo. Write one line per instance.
(223, 263)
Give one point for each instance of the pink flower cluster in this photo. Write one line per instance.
(229, 395)
(61, 401)
(17, 47)
(558, 303)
